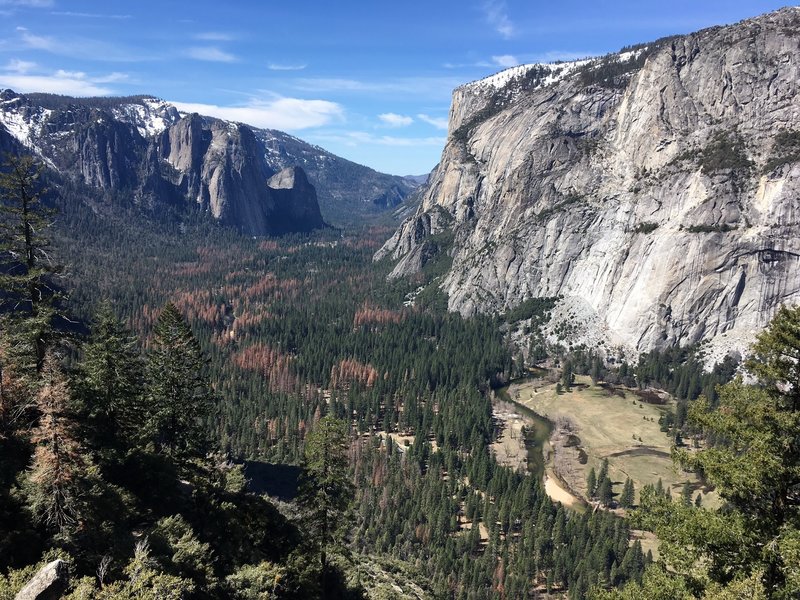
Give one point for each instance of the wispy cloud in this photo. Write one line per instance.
(114, 77)
(285, 67)
(505, 60)
(395, 120)
(439, 88)
(439, 123)
(497, 17)
(273, 113)
(86, 15)
(29, 3)
(210, 53)
(215, 36)
(36, 42)
(67, 83)
(19, 66)
(359, 138)
(79, 47)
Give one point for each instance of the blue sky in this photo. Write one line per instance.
(370, 81)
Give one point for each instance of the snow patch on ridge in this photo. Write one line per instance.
(24, 123)
(150, 117)
(556, 72)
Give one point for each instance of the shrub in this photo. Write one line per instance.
(646, 227)
(724, 152)
(785, 149)
(710, 228)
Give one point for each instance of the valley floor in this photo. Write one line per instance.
(592, 423)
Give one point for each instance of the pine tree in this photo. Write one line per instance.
(110, 382)
(567, 375)
(686, 494)
(591, 483)
(626, 499)
(605, 492)
(59, 462)
(603, 471)
(597, 370)
(179, 397)
(26, 268)
(326, 490)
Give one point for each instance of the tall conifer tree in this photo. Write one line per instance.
(26, 268)
(179, 396)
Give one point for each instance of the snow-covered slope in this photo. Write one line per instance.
(546, 73)
(150, 116)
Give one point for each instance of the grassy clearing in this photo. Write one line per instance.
(593, 423)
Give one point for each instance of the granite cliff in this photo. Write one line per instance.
(655, 191)
(144, 150)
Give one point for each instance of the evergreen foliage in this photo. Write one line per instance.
(751, 547)
(626, 498)
(179, 398)
(326, 489)
(293, 329)
(26, 269)
(109, 384)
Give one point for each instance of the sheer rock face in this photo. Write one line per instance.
(220, 166)
(663, 200)
(145, 150)
(289, 188)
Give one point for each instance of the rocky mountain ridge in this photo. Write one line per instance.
(655, 191)
(147, 148)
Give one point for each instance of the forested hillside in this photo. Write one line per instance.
(139, 375)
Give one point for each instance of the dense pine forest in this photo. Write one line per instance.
(147, 359)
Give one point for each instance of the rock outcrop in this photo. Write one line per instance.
(657, 191)
(346, 190)
(290, 188)
(49, 583)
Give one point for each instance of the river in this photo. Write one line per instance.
(538, 430)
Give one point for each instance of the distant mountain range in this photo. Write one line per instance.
(259, 181)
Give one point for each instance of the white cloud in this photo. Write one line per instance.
(30, 3)
(505, 60)
(359, 138)
(21, 76)
(79, 47)
(395, 120)
(53, 84)
(20, 66)
(439, 123)
(276, 113)
(70, 74)
(114, 77)
(37, 42)
(428, 87)
(497, 17)
(215, 36)
(281, 67)
(86, 15)
(210, 53)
